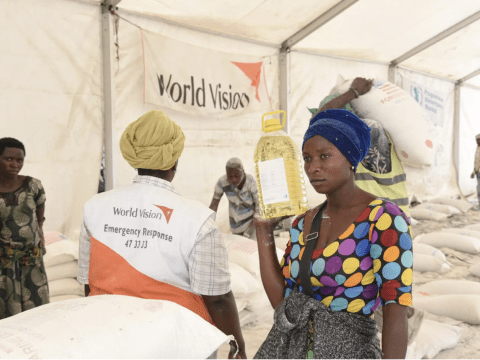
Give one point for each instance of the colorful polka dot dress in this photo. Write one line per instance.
(368, 265)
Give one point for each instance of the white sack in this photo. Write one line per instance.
(245, 254)
(450, 286)
(59, 248)
(242, 282)
(475, 269)
(434, 337)
(457, 242)
(66, 287)
(475, 227)
(419, 248)
(64, 297)
(282, 240)
(62, 271)
(424, 263)
(426, 214)
(461, 205)
(466, 232)
(109, 327)
(260, 306)
(246, 317)
(402, 117)
(241, 302)
(462, 307)
(447, 209)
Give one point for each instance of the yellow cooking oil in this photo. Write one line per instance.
(278, 171)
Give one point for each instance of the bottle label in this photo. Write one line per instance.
(273, 181)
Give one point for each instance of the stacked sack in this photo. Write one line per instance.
(61, 266)
(439, 209)
(244, 263)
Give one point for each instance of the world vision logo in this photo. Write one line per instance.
(166, 211)
(253, 71)
(199, 93)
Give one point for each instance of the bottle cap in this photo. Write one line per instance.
(273, 124)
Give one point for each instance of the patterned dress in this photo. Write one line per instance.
(369, 265)
(23, 282)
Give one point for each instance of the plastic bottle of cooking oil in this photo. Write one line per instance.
(278, 171)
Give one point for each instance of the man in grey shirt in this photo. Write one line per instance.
(242, 195)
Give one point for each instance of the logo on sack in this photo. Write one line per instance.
(166, 211)
(417, 93)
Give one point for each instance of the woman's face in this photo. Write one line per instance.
(326, 167)
(11, 161)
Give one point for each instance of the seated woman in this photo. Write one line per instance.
(345, 257)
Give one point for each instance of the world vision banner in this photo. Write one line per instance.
(195, 80)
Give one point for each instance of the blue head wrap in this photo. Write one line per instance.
(344, 130)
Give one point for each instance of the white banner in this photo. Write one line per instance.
(195, 80)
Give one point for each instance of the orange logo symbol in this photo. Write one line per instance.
(166, 211)
(253, 71)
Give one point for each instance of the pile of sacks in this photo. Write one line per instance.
(439, 209)
(457, 299)
(61, 266)
(244, 264)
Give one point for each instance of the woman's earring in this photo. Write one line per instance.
(353, 168)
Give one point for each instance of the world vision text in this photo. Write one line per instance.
(195, 94)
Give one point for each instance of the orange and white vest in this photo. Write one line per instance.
(141, 239)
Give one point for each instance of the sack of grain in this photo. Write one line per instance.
(59, 248)
(65, 287)
(461, 205)
(462, 307)
(425, 263)
(62, 271)
(109, 327)
(419, 248)
(457, 242)
(425, 214)
(447, 209)
(402, 117)
(434, 337)
(450, 286)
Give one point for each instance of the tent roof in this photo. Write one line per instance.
(374, 30)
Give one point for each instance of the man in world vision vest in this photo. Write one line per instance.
(147, 241)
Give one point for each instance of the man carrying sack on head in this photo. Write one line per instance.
(147, 241)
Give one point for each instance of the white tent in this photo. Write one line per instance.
(72, 76)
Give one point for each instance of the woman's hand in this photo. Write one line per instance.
(258, 221)
(362, 85)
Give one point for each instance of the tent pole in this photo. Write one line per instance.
(451, 30)
(284, 85)
(108, 89)
(456, 134)
(392, 73)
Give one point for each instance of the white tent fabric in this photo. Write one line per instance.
(52, 96)
(51, 99)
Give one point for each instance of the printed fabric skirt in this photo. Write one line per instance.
(22, 287)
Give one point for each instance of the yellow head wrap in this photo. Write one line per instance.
(152, 142)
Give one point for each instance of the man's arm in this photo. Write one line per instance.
(209, 277)
(223, 310)
(214, 204)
